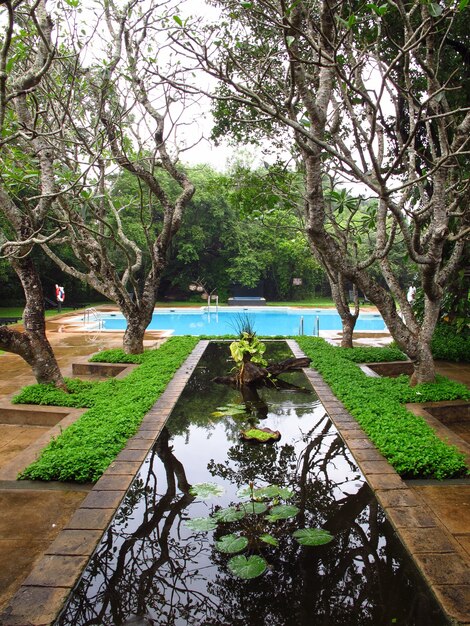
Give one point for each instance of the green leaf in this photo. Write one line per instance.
(230, 410)
(201, 523)
(178, 20)
(273, 491)
(247, 568)
(435, 10)
(230, 514)
(254, 508)
(463, 4)
(231, 544)
(282, 511)
(290, 40)
(260, 434)
(206, 491)
(312, 536)
(272, 541)
(247, 5)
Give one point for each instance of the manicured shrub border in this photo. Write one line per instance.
(87, 447)
(409, 444)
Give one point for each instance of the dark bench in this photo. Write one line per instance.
(246, 301)
(4, 321)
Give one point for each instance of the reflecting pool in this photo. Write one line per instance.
(151, 567)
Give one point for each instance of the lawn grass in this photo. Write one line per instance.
(406, 440)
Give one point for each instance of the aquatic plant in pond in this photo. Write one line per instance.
(252, 524)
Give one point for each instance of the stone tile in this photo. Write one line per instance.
(424, 540)
(410, 517)
(397, 498)
(91, 519)
(385, 481)
(131, 455)
(34, 605)
(360, 444)
(353, 433)
(123, 467)
(376, 467)
(139, 443)
(464, 542)
(56, 571)
(75, 542)
(444, 569)
(118, 482)
(103, 499)
(368, 454)
(456, 601)
(451, 503)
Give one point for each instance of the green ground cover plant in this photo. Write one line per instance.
(450, 343)
(86, 448)
(406, 441)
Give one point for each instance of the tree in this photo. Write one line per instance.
(115, 119)
(367, 91)
(27, 52)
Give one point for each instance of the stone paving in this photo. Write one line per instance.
(432, 520)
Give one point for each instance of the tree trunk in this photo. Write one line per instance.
(348, 319)
(137, 322)
(32, 344)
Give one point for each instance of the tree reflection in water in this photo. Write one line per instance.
(151, 567)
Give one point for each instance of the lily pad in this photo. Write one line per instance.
(247, 568)
(231, 544)
(282, 511)
(230, 410)
(206, 491)
(261, 435)
(254, 508)
(267, 538)
(201, 523)
(312, 536)
(273, 491)
(231, 514)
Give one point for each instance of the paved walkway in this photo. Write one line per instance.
(48, 531)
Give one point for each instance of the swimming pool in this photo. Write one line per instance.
(265, 321)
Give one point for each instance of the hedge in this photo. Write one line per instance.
(406, 440)
(86, 448)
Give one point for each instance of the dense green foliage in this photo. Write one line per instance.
(117, 356)
(373, 355)
(405, 440)
(450, 344)
(85, 449)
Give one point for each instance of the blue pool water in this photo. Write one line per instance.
(266, 322)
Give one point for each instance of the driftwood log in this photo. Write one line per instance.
(251, 373)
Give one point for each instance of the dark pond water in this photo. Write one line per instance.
(150, 568)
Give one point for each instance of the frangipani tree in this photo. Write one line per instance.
(374, 94)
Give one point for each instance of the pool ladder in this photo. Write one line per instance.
(92, 322)
(316, 326)
(216, 300)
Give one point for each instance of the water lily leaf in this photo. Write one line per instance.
(231, 514)
(260, 434)
(231, 544)
(254, 508)
(244, 492)
(273, 491)
(247, 568)
(201, 523)
(312, 536)
(269, 539)
(230, 410)
(206, 491)
(282, 511)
